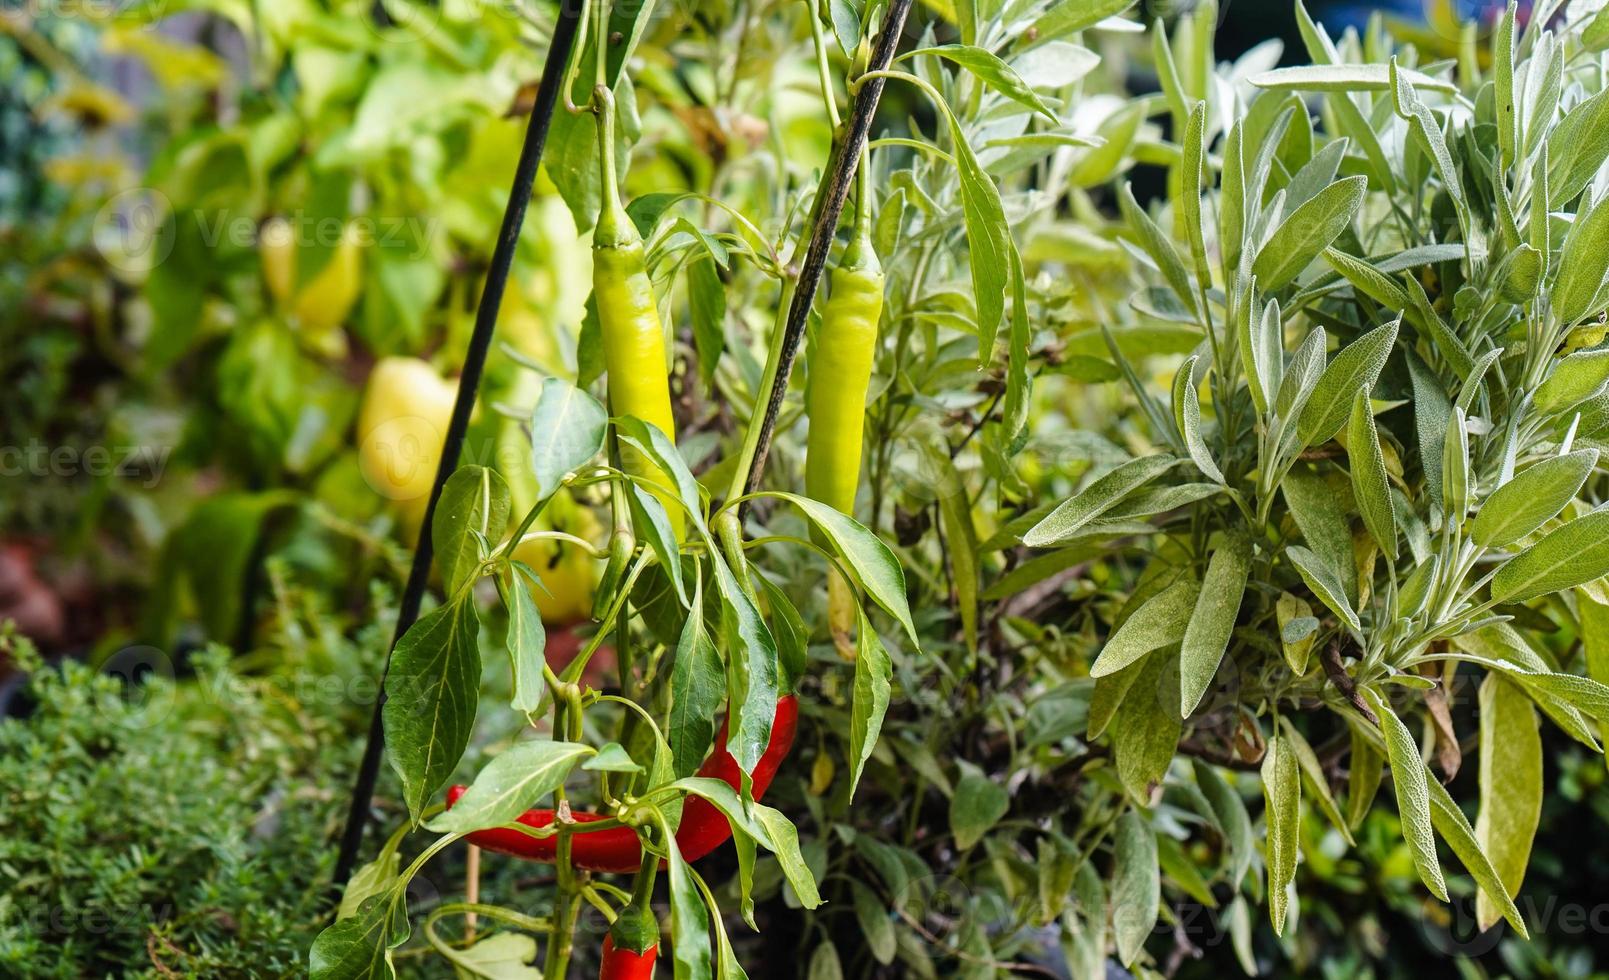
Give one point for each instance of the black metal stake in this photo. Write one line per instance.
(826, 228)
(480, 343)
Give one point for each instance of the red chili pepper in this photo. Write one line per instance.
(703, 827)
(623, 964)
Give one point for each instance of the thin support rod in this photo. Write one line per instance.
(836, 192)
(480, 343)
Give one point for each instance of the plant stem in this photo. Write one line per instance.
(480, 342)
(831, 197)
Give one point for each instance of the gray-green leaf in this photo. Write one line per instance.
(1567, 556)
(1096, 499)
(1535, 496)
(1206, 636)
(1303, 236)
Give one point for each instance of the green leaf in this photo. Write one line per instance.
(1136, 886)
(431, 693)
(1146, 730)
(1583, 266)
(1363, 776)
(1343, 78)
(1356, 366)
(1282, 795)
(1159, 247)
(472, 514)
(1409, 777)
(753, 669)
(1573, 380)
(1323, 583)
(1305, 235)
(1190, 199)
(875, 924)
(1096, 499)
(873, 673)
(1370, 485)
(1314, 779)
(766, 825)
(1206, 636)
(1187, 413)
(978, 804)
(1455, 468)
(993, 72)
(1230, 810)
(1576, 149)
(526, 640)
(567, 431)
(1455, 830)
(1510, 787)
(359, 947)
(613, 757)
(513, 782)
(1071, 16)
(1160, 622)
(697, 688)
(1431, 411)
(706, 301)
(656, 445)
(1567, 556)
(689, 919)
(1533, 497)
(1422, 123)
(872, 564)
(961, 541)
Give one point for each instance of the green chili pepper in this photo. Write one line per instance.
(840, 374)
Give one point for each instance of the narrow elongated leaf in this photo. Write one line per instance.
(526, 640)
(1427, 130)
(993, 72)
(1159, 247)
(753, 669)
(1455, 830)
(1305, 235)
(1368, 471)
(697, 688)
(472, 514)
(567, 431)
(1145, 733)
(1356, 366)
(1230, 810)
(689, 918)
(1321, 579)
(1342, 78)
(1282, 815)
(1583, 265)
(1206, 637)
(873, 674)
(1576, 149)
(1096, 499)
(513, 782)
(1187, 413)
(1366, 766)
(1535, 496)
(1313, 777)
(1567, 556)
(1160, 622)
(431, 693)
(874, 566)
(1136, 886)
(1409, 777)
(1510, 787)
